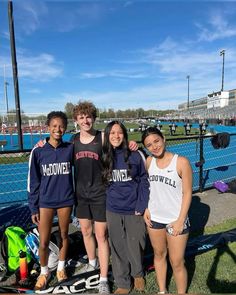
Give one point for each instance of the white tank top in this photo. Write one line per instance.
(165, 192)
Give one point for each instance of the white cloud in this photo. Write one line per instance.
(114, 74)
(33, 91)
(128, 3)
(167, 45)
(6, 35)
(30, 14)
(217, 27)
(82, 15)
(41, 68)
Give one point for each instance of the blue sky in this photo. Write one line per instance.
(118, 54)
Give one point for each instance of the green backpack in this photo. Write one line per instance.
(12, 242)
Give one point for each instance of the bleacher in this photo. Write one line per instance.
(226, 112)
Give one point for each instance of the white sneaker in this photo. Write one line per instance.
(103, 288)
(87, 268)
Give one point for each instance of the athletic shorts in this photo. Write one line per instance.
(91, 212)
(157, 225)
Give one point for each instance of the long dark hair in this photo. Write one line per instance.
(151, 130)
(108, 151)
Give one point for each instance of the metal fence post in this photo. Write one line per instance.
(201, 161)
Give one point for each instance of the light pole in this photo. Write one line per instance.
(15, 73)
(5, 90)
(222, 52)
(6, 96)
(188, 77)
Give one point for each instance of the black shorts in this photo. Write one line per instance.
(91, 212)
(157, 225)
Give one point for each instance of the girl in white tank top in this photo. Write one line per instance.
(170, 178)
(165, 190)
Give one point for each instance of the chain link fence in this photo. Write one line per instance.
(13, 177)
(208, 164)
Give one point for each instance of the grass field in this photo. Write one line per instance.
(180, 132)
(211, 272)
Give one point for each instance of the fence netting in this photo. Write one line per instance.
(208, 165)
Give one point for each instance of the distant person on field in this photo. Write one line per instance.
(170, 178)
(50, 189)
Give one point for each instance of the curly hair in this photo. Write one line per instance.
(86, 108)
(57, 114)
(108, 151)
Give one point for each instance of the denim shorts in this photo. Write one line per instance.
(158, 225)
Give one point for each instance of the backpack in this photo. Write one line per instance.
(220, 140)
(232, 186)
(76, 247)
(32, 244)
(12, 242)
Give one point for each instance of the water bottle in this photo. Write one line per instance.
(23, 265)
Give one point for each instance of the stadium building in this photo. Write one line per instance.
(218, 105)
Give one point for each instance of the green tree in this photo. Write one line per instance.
(140, 112)
(111, 113)
(69, 109)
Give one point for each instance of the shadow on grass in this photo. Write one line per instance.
(190, 266)
(216, 285)
(198, 215)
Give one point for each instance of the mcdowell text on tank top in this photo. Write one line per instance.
(163, 179)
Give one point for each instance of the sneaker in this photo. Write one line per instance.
(87, 268)
(42, 281)
(103, 288)
(139, 284)
(61, 275)
(122, 291)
